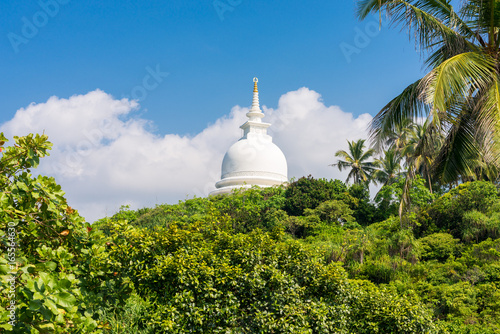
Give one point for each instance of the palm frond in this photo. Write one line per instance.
(459, 152)
(446, 49)
(409, 105)
(456, 77)
(430, 21)
(483, 17)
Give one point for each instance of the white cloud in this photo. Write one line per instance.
(104, 158)
(309, 133)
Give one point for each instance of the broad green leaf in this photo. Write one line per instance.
(64, 284)
(64, 299)
(35, 305)
(51, 306)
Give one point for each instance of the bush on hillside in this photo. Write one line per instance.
(200, 279)
(365, 212)
(446, 214)
(438, 246)
(308, 193)
(45, 248)
(389, 196)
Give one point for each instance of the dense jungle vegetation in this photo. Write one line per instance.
(316, 256)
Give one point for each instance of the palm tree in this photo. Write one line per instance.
(421, 149)
(356, 160)
(398, 137)
(389, 167)
(460, 95)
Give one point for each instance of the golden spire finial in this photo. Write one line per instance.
(255, 89)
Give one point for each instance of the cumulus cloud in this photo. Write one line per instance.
(104, 157)
(309, 133)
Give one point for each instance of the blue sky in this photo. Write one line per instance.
(288, 44)
(142, 98)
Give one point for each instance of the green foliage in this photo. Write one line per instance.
(202, 279)
(382, 311)
(43, 242)
(242, 264)
(332, 212)
(130, 320)
(433, 267)
(447, 213)
(404, 244)
(253, 208)
(365, 212)
(301, 227)
(476, 226)
(438, 246)
(308, 193)
(486, 252)
(458, 40)
(389, 196)
(244, 210)
(188, 211)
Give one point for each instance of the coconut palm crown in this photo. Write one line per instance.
(460, 95)
(356, 159)
(389, 167)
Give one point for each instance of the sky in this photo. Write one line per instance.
(142, 98)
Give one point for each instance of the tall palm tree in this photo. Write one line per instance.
(398, 137)
(421, 149)
(356, 160)
(460, 95)
(389, 167)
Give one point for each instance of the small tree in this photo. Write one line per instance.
(308, 193)
(333, 212)
(50, 257)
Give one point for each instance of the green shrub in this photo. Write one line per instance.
(379, 271)
(308, 193)
(476, 227)
(377, 310)
(403, 244)
(253, 208)
(484, 253)
(447, 212)
(365, 212)
(44, 243)
(389, 196)
(438, 246)
(332, 212)
(202, 280)
(131, 320)
(301, 227)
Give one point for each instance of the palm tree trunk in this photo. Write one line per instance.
(405, 196)
(429, 180)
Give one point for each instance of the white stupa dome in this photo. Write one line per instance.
(254, 159)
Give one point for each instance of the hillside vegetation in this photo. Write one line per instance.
(314, 257)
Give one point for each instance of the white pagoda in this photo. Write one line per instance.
(254, 159)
